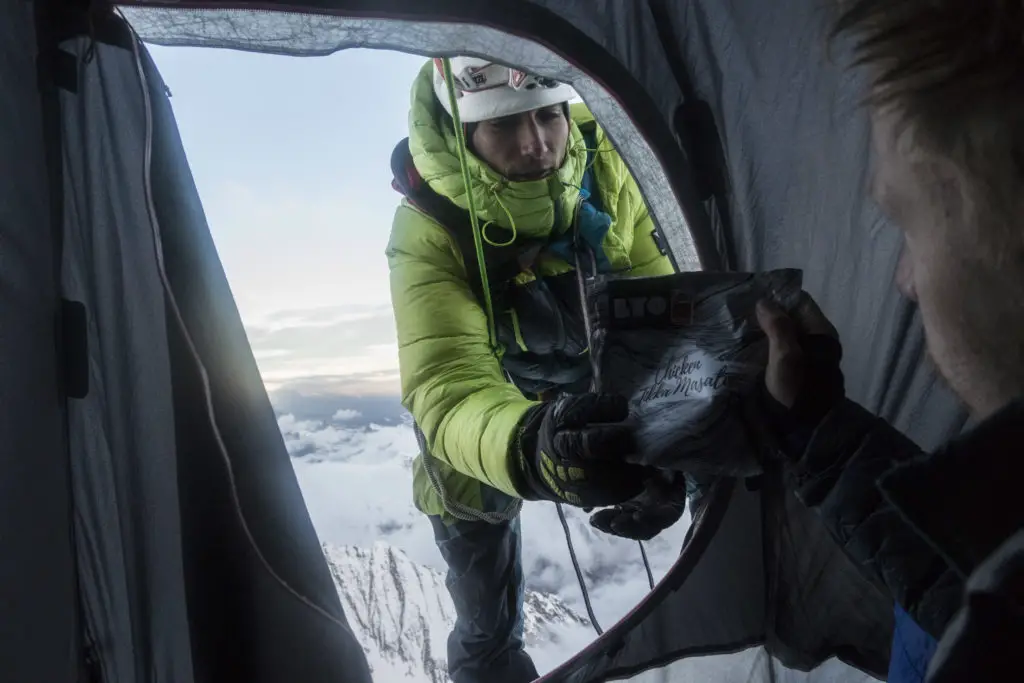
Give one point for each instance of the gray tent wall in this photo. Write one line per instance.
(38, 626)
(171, 509)
(797, 155)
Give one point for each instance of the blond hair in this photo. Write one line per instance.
(953, 72)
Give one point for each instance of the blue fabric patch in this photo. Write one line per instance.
(912, 649)
(593, 222)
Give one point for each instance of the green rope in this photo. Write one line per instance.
(460, 140)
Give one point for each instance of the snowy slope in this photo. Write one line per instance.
(401, 613)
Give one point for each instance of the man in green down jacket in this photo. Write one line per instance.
(502, 404)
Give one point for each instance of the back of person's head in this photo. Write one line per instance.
(953, 71)
(946, 92)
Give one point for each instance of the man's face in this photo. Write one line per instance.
(965, 276)
(525, 146)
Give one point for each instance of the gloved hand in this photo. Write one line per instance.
(641, 519)
(803, 381)
(573, 450)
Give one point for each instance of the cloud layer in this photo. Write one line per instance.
(339, 349)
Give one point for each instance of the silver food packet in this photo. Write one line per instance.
(688, 351)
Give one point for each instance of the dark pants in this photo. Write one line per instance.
(485, 579)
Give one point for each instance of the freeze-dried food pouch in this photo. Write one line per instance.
(687, 350)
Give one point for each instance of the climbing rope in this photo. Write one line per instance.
(579, 572)
(479, 238)
(647, 565)
(460, 144)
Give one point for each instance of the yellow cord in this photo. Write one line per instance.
(511, 223)
(596, 152)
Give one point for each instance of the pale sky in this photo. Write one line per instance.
(292, 160)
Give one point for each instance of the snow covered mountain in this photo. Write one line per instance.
(401, 613)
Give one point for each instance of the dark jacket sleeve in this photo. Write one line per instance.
(836, 475)
(983, 641)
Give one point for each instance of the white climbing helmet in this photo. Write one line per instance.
(488, 90)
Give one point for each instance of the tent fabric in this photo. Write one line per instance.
(107, 246)
(168, 539)
(797, 151)
(38, 620)
(752, 664)
(173, 511)
(765, 574)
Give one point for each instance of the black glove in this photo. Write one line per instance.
(803, 380)
(660, 506)
(822, 387)
(573, 450)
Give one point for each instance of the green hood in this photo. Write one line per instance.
(435, 154)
